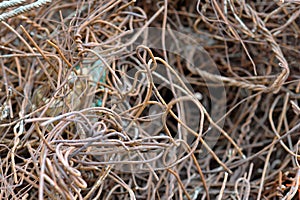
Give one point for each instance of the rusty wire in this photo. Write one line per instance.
(67, 134)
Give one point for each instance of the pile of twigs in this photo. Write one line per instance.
(149, 100)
